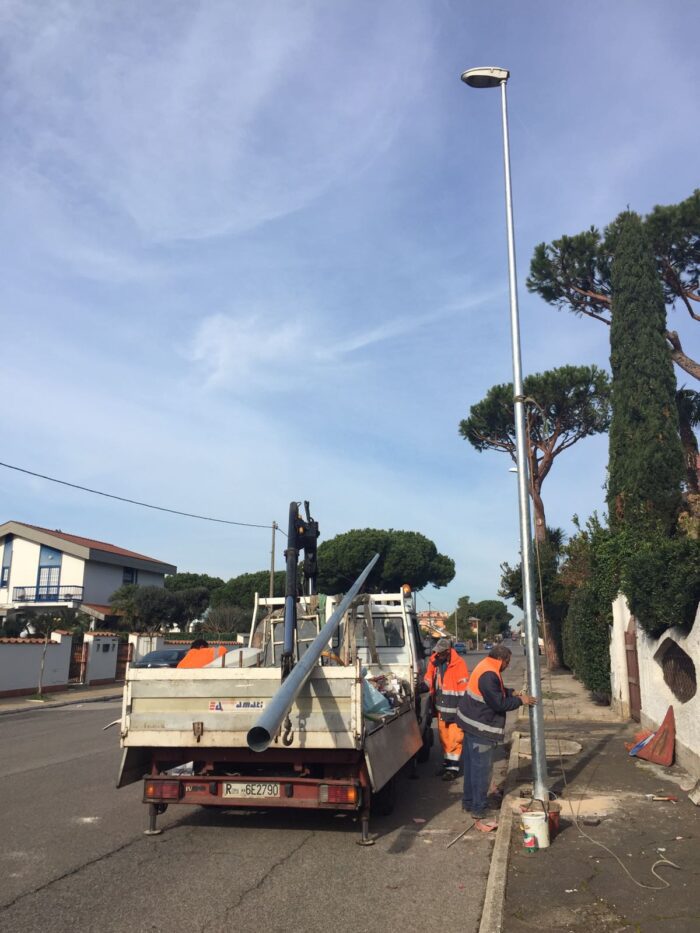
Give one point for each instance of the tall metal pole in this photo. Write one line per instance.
(272, 561)
(539, 760)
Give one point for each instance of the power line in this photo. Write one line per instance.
(145, 505)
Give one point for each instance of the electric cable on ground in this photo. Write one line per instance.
(574, 815)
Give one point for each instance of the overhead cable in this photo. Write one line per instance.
(145, 505)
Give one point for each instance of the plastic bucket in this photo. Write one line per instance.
(553, 817)
(535, 829)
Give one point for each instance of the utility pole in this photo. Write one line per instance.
(456, 627)
(272, 561)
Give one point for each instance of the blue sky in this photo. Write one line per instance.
(256, 252)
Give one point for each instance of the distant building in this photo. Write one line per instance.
(42, 568)
(434, 622)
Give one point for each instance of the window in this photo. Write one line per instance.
(388, 632)
(6, 562)
(129, 576)
(49, 578)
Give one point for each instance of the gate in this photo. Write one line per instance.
(78, 663)
(633, 669)
(124, 655)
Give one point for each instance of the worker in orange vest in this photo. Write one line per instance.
(481, 715)
(447, 677)
(200, 654)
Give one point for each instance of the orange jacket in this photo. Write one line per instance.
(446, 690)
(200, 657)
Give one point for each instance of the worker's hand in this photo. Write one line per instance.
(528, 700)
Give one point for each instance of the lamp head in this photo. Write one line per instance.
(485, 77)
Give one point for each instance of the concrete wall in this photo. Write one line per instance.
(656, 695)
(101, 580)
(142, 644)
(619, 683)
(102, 651)
(24, 568)
(20, 663)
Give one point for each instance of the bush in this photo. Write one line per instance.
(661, 578)
(586, 639)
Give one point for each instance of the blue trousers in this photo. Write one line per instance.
(477, 758)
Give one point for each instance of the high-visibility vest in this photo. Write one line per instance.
(448, 688)
(486, 664)
(200, 657)
(474, 716)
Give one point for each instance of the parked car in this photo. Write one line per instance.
(460, 647)
(487, 645)
(164, 657)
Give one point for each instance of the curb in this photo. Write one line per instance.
(495, 896)
(59, 703)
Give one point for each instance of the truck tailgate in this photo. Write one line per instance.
(161, 707)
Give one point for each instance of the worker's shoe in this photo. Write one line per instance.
(451, 774)
(440, 771)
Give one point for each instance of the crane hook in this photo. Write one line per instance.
(288, 735)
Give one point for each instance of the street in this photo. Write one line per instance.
(74, 856)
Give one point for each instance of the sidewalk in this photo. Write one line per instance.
(577, 885)
(67, 697)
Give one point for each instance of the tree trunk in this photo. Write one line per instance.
(551, 646)
(41, 669)
(540, 522)
(680, 358)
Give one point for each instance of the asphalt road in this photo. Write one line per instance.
(74, 857)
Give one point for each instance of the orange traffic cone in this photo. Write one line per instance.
(659, 750)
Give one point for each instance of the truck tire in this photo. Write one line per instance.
(423, 754)
(384, 800)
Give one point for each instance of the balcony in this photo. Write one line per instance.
(47, 594)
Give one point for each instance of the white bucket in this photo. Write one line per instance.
(534, 825)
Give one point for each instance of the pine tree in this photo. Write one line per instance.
(646, 457)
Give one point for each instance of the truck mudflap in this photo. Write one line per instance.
(390, 744)
(136, 762)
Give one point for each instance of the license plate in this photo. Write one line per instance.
(252, 789)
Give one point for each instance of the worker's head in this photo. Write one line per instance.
(443, 647)
(502, 654)
(199, 643)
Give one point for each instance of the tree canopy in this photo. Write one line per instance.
(405, 557)
(574, 272)
(564, 406)
(176, 582)
(646, 466)
(493, 615)
(240, 591)
(149, 608)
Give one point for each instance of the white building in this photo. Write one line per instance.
(42, 568)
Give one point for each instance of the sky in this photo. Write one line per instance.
(255, 253)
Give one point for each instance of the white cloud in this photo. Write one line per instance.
(207, 118)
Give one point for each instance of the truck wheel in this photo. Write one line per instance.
(384, 800)
(423, 754)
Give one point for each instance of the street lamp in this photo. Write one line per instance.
(487, 78)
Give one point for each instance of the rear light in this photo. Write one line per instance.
(162, 790)
(337, 793)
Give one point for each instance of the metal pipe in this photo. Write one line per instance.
(290, 594)
(539, 760)
(261, 734)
